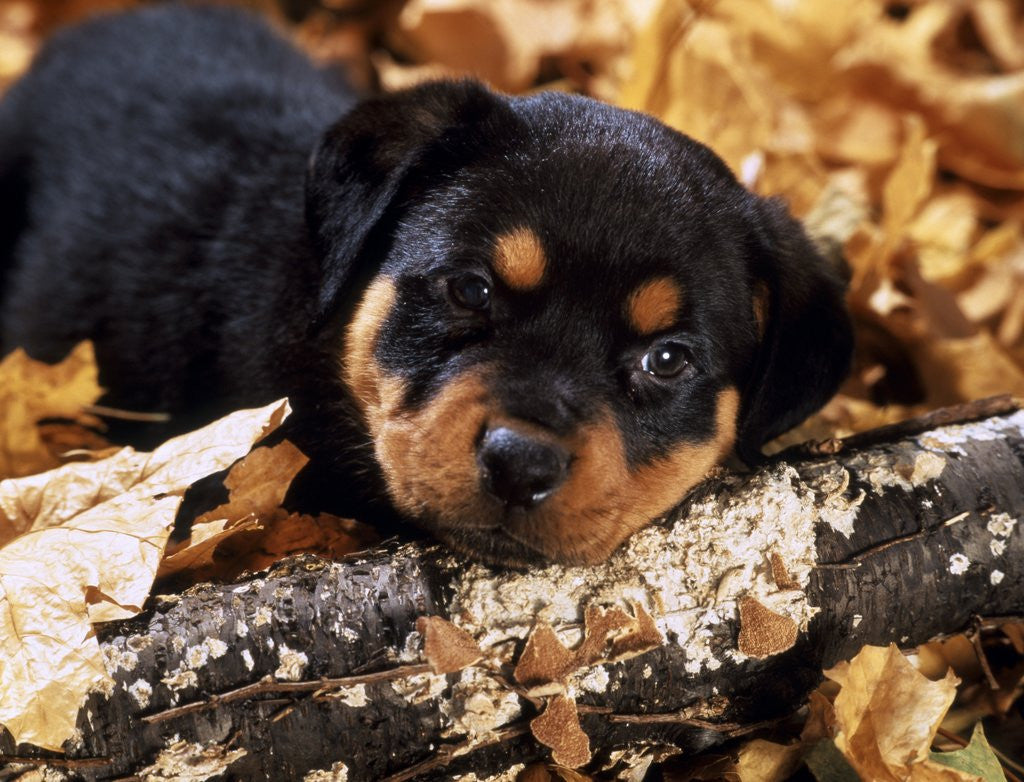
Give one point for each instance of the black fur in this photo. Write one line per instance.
(189, 192)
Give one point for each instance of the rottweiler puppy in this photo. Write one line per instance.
(528, 324)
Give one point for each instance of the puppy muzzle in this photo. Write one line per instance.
(520, 470)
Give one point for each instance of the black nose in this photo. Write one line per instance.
(520, 470)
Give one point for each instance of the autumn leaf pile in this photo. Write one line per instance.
(894, 129)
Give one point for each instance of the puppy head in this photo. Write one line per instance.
(566, 314)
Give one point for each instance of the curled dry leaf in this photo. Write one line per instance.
(30, 392)
(251, 530)
(93, 561)
(887, 713)
(256, 487)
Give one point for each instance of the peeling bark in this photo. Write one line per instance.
(314, 670)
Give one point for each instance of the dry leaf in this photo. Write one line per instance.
(910, 181)
(559, 728)
(256, 487)
(251, 530)
(609, 634)
(766, 761)
(506, 42)
(31, 391)
(50, 499)
(446, 647)
(887, 714)
(762, 631)
(98, 565)
(264, 543)
(544, 659)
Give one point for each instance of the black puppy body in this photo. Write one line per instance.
(529, 323)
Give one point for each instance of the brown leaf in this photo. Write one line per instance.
(98, 563)
(762, 631)
(544, 659)
(600, 625)
(256, 487)
(641, 636)
(257, 484)
(506, 43)
(821, 718)
(262, 543)
(559, 728)
(31, 391)
(780, 573)
(446, 647)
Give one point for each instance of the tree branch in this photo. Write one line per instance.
(754, 585)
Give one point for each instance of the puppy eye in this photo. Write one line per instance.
(666, 360)
(470, 291)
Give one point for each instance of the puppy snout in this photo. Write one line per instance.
(518, 469)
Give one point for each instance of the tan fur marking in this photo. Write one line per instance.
(604, 501)
(761, 308)
(519, 259)
(428, 456)
(362, 375)
(654, 305)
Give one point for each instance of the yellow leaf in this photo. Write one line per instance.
(31, 391)
(910, 181)
(52, 498)
(766, 761)
(887, 714)
(97, 565)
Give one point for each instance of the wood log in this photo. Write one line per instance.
(705, 626)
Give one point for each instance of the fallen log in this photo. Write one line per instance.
(703, 627)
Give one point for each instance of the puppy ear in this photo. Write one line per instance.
(805, 330)
(364, 163)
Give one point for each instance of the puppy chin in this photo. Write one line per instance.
(492, 545)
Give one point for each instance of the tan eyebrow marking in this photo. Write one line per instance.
(654, 305)
(519, 259)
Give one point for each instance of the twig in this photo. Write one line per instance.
(268, 684)
(726, 729)
(57, 762)
(127, 415)
(1004, 404)
(447, 754)
(974, 636)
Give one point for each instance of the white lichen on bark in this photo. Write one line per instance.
(688, 575)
